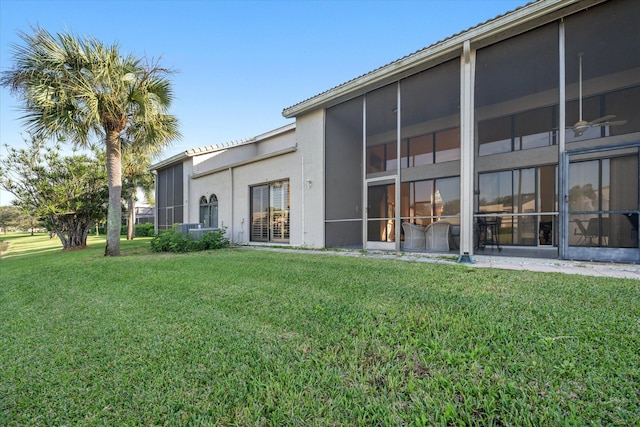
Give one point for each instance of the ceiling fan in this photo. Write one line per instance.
(582, 125)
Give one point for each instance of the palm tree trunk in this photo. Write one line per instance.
(114, 182)
(131, 203)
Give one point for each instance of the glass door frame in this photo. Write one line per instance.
(372, 244)
(586, 253)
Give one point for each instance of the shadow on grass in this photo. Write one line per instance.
(24, 244)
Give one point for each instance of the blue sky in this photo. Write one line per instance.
(240, 63)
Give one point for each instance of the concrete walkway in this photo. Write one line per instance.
(622, 271)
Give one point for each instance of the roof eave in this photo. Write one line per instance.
(505, 24)
(171, 160)
(192, 152)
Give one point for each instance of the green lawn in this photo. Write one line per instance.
(236, 337)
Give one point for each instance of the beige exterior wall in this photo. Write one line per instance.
(295, 154)
(187, 170)
(279, 168)
(310, 137)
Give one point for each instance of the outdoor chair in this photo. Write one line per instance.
(414, 237)
(588, 233)
(437, 236)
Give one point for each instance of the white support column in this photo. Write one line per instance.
(397, 201)
(563, 174)
(365, 200)
(467, 152)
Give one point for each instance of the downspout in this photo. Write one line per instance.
(302, 191)
(231, 205)
(185, 203)
(155, 205)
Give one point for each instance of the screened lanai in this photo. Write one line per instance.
(536, 128)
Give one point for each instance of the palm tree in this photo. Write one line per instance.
(80, 89)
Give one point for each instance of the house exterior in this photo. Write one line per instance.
(522, 134)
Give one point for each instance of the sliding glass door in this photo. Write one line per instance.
(603, 206)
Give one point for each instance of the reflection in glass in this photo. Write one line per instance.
(526, 200)
(381, 213)
(424, 202)
(447, 145)
(603, 202)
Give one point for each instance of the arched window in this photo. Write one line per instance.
(209, 211)
(204, 208)
(213, 211)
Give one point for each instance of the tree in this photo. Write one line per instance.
(9, 216)
(67, 194)
(29, 221)
(79, 89)
(137, 157)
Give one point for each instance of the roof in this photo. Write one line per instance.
(207, 149)
(503, 26)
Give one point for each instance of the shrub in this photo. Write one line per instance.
(173, 240)
(142, 230)
(145, 230)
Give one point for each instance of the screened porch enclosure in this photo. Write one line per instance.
(401, 143)
(402, 152)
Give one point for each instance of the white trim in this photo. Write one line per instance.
(563, 190)
(365, 195)
(388, 178)
(398, 200)
(467, 150)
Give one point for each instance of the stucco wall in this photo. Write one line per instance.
(310, 139)
(303, 167)
(232, 184)
(283, 167)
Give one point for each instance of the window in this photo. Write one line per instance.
(423, 202)
(270, 212)
(516, 92)
(209, 211)
(431, 116)
(436, 147)
(525, 200)
(381, 158)
(520, 131)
